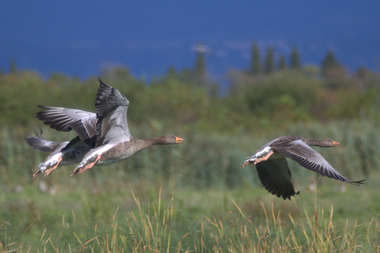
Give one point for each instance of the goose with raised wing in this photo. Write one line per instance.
(273, 169)
(103, 138)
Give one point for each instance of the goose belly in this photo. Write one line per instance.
(74, 155)
(114, 157)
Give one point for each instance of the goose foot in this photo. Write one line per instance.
(256, 160)
(36, 173)
(86, 167)
(48, 171)
(264, 158)
(246, 163)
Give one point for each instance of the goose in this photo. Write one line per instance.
(103, 137)
(273, 169)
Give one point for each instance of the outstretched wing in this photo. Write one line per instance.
(111, 111)
(275, 176)
(65, 119)
(307, 157)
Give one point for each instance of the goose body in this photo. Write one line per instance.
(273, 169)
(103, 138)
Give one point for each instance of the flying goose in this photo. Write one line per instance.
(103, 138)
(273, 169)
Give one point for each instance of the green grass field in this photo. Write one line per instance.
(155, 218)
(192, 197)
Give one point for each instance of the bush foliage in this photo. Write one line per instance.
(177, 101)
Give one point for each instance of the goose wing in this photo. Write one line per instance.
(65, 119)
(275, 176)
(111, 111)
(37, 141)
(310, 159)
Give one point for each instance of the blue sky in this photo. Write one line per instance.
(80, 38)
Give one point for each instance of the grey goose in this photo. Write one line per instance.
(103, 137)
(273, 169)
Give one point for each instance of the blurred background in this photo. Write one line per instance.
(80, 39)
(225, 76)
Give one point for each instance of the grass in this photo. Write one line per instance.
(196, 199)
(158, 220)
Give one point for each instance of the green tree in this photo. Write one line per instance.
(295, 62)
(269, 61)
(12, 67)
(200, 66)
(171, 72)
(255, 67)
(328, 62)
(281, 62)
(334, 73)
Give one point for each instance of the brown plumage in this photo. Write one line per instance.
(104, 136)
(273, 169)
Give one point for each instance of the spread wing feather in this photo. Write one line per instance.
(275, 176)
(66, 119)
(307, 157)
(111, 110)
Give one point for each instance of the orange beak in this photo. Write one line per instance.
(335, 144)
(178, 140)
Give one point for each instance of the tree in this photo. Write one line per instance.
(200, 67)
(295, 62)
(334, 73)
(171, 72)
(255, 67)
(328, 62)
(269, 61)
(281, 62)
(13, 67)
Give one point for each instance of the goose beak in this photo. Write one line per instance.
(335, 144)
(178, 140)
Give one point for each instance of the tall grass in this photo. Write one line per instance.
(316, 232)
(157, 227)
(201, 161)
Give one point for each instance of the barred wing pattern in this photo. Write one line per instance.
(307, 157)
(111, 110)
(65, 119)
